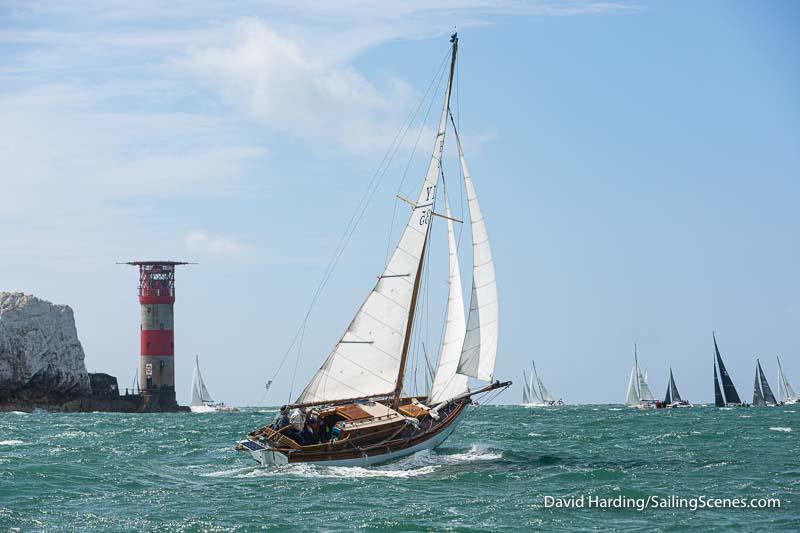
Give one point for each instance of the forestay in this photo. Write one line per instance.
(480, 342)
(447, 383)
(366, 360)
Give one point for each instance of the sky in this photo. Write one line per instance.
(637, 163)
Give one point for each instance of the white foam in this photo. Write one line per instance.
(419, 464)
(10, 442)
(614, 409)
(783, 429)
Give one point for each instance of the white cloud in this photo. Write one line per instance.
(201, 243)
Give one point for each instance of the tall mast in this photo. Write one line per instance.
(398, 389)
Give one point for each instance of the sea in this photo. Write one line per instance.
(506, 468)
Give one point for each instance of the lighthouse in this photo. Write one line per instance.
(157, 336)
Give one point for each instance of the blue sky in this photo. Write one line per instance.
(637, 163)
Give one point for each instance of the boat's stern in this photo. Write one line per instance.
(264, 455)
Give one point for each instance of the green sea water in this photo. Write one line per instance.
(179, 472)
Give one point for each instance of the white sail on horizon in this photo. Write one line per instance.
(480, 342)
(366, 360)
(644, 389)
(200, 394)
(447, 383)
(632, 398)
(786, 391)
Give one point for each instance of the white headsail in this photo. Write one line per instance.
(447, 383)
(786, 392)
(644, 388)
(200, 394)
(480, 342)
(366, 360)
(633, 396)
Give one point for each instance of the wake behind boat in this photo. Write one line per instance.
(534, 393)
(353, 411)
(201, 398)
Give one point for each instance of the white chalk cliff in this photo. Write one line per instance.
(39, 348)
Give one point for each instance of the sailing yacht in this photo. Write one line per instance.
(673, 397)
(725, 395)
(786, 394)
(762, 393)
(201, 398)
(639, 394)
(353, 411)
(534, 393)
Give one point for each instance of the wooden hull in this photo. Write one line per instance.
(348, 453)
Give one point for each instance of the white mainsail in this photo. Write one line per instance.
(447, 383)
(534, 396)
(633, 397)
(480, 342)
(200, 394)
(785, 389)
(644, 389)
(544, 393)
(526, 398)
(366, 360)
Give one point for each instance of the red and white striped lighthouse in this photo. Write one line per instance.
(157, 336)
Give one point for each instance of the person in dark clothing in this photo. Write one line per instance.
(281, 419)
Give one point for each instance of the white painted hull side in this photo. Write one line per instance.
(267, 457)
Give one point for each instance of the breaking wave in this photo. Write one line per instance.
(780, 428)
(10, 442)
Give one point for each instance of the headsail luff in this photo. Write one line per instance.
(448, 383)
(369, 358)
(766, 390)
(731, 396)
(480, 342)
(200, 394)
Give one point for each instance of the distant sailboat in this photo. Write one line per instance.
(786, 393)
(673, 397)
(724, 395)
(762, 393)
(201, 398)
(534, 393)
(639, 394)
